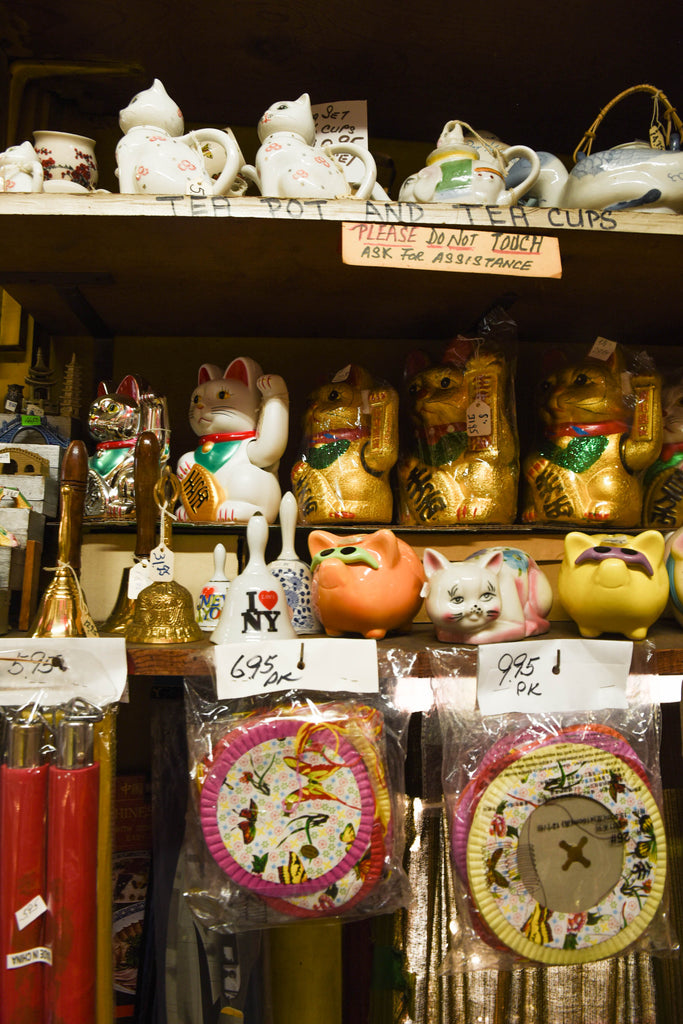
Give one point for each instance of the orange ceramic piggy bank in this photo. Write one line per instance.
(364, 583)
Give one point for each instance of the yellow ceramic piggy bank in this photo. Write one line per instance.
(612, 583)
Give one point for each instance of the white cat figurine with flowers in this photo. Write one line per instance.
(496, 595)
(289, 164)
(242, 419)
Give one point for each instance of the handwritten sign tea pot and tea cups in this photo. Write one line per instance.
(154, 157)
(467, 169)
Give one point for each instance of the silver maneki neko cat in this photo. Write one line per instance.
(116, 419)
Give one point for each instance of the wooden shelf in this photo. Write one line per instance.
(195, 659)
(111, 265)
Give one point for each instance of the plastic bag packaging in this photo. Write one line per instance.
(459, 458)
(56, 782)
(599, 427)
(349, 446)
(295, 808)
(556, 835)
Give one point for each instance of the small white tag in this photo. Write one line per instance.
(10, 405)
(39, 955)
(31, 911)
(196, 188)
(553, 675)
(478, 419)
(161, 564)
(324, 663)
(139, 577)
(5, 457)
(602, 348)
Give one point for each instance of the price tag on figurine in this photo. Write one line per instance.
(139, 577)
(602, 348)
(196, 188)
(270, 666)
(161, 564)
(552, 675)
(478, 419)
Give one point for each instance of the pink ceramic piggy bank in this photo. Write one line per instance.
(364, 583)
(496, 595)
(614, 583)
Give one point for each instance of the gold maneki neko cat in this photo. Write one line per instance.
(461, 464)
(598, 441)
(349, 448)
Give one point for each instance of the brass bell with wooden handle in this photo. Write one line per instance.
(63, 611)
(164, 610)
(145, 476)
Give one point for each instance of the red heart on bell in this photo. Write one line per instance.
(268, 598)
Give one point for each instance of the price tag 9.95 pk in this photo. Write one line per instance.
(553, 675)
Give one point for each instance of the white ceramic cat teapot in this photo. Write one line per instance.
(469, 171)
(155, 158)
(290, 165)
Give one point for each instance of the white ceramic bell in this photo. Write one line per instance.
(212, 594)
(293, 574)
(255, 606)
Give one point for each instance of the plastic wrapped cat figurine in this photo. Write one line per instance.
(116, 419)
(289, 164)
(349, 448)
(460, 462)
(496, 595)
(602, 427)
(242, 419)
(663, 502)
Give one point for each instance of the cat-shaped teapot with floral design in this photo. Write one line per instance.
(154, 157)
(242, 419)
(288, 164)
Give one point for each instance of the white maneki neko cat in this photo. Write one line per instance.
(289, 164)
(497, 595)
(242, 419)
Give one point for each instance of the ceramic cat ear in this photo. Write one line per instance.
(433, 561)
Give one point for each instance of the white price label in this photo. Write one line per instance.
(52, 670)
(602, 348)
(139, 577)
(553, 675)
(31, 911)
(196, 187)
(478, 419)
(5, 457)
(325, 663)
(161, 564)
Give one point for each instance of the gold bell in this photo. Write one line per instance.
(164, 614)
(63, 610)
(164, 610)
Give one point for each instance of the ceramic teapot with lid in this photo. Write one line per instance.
(467, 169)
(154, 157)
(637, 175)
